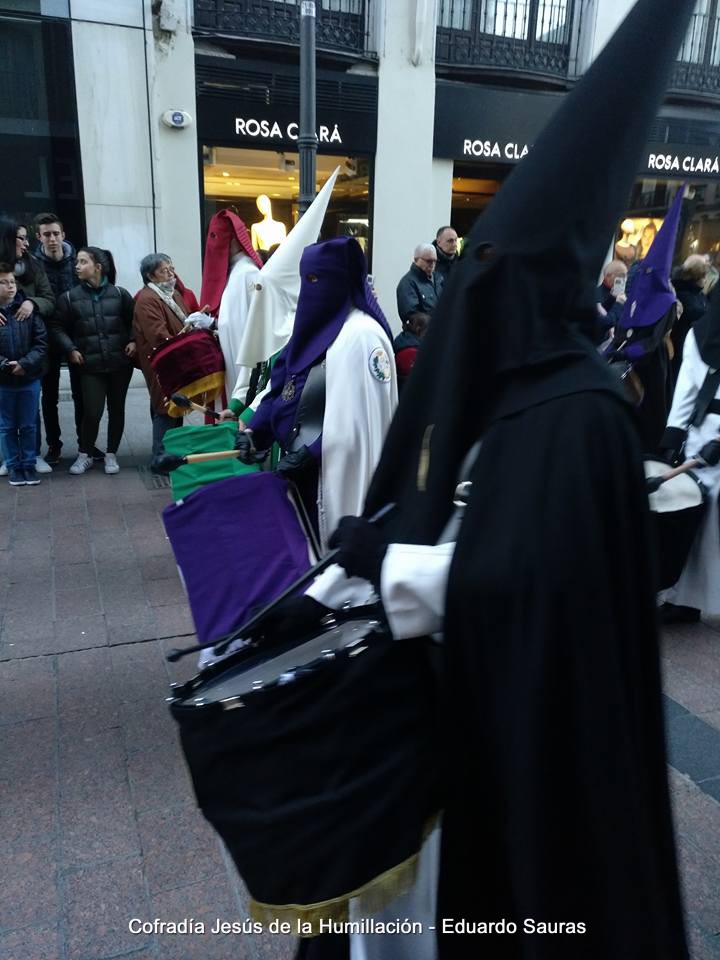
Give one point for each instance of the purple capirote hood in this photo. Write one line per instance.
(651, 295)
(333, 281)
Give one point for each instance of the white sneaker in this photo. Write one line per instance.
(111, 464)
(82, 464)
(42, 466)
(3, 470)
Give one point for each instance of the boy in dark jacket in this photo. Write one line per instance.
(23, 351)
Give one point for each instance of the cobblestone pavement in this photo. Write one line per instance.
(97, 818)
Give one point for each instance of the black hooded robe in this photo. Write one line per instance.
(557, 807)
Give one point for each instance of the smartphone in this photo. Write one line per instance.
(618, 286)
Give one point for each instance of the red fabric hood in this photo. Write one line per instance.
(223, 227)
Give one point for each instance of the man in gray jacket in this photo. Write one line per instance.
(416, 292)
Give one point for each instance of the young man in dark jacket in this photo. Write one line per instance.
(23, 351)
(57, 256)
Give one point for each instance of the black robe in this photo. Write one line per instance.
(557, 806)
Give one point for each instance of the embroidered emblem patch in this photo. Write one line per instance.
(288, 391)
(379, 364)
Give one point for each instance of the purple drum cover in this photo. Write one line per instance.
(238, 544)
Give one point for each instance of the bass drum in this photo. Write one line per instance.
(677, 511)
(315, 761)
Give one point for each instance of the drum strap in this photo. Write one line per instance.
(705, 398)
(310, 412)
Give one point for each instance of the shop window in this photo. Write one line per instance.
(39, 151)
(237, 178)
(699, 226)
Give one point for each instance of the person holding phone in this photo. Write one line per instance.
(611, 297)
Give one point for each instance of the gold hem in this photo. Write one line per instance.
(372, 897)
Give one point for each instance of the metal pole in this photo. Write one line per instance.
(307, 139)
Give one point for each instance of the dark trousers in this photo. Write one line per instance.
(161, 423)
(51, 396)
(97, 389)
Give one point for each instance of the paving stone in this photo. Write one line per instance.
(161, 593)
(152, 546)
(32, 738)
(139, 671)
(78, 602)
(27, 690)
(93, 767)
(73, 576)
(89, 719)
(39, 942)
(27, 636)
(147, 722)
(73, 551)
(204, 902)
(131, 625)
(179, 848)
(28, 809)
(694, 748)
(157, 568)
(174, 620)
(29, 529)
(32, 895)
(31, 569)
(30, 507)
(99, 902)
(79, 633)
(98, 828)
(25, 597)
(85, 678)
(159, 779)
(32, 547)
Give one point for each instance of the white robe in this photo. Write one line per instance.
(699, 583)
(359, 406)
(413, 586)
(232, 321)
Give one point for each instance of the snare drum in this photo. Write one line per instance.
(316, 764)
(677, 510)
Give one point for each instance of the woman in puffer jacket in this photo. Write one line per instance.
(94, 329)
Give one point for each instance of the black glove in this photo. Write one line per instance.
(289, 620)
(362, 548)
(246, 448)
(293, 463)
(710, 453)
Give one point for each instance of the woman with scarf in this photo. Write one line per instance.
(333, 387)
(160, 313)
(94, 329)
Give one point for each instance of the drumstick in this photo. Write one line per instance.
(221, 645)
(654, 483)
(168, 462)
(180, 400)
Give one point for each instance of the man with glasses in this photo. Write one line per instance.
(417, 291)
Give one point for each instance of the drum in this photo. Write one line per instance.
(316, 763)
(203, 439)
(677, 511)
(190, 363)
(238, 544)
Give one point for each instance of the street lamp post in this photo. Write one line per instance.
(307, 139)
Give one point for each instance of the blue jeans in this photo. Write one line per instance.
(18, 413)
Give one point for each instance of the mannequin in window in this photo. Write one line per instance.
(267, 232)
